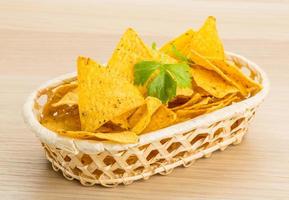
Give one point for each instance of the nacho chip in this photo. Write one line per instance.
(193, 100)
(184, 91)
(122, 120)
(55, 94)
(130, 50)
(142, 117)
(181, 44)
(207, 42)
(125, 137)
(244, 83)
(205, 107)
(70, 99)
(202, 102)
(162, 118)
(103, 95)
(211, 82)
(162, 57)
(64, 118)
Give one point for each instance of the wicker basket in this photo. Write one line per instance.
(93, 162)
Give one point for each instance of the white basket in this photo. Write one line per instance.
(94, 162)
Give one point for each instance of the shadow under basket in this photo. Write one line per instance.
(158, 152)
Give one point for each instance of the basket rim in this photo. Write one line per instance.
(89, 146)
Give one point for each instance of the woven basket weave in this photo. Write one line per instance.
(93, 162)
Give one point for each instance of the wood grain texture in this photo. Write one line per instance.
(41, 39)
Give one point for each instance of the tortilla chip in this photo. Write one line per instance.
(55, 95)
(130, 50)
(122, 120)
(244, 83)
(184, 91)
(142, 117)
(162, 118)
(205, 107)
(181, 44)
(202, 102)
(193, 100)
(70, 99)
(211, 82)
(64, 118)
(162, 57)
(125, 137)
(102, 95)
(207, 42)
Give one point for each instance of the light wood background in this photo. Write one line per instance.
(41, 39)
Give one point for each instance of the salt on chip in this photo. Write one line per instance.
(125, 137)
(129, 51)
(103, 95)
(142, 117)
(211, 82)
(163, 117)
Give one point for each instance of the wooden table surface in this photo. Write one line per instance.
(41, 39)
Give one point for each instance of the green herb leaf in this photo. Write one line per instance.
(165, 82)
(179, 55)
(143, 70)
(154, 46)
(163, 87)
(180, 73)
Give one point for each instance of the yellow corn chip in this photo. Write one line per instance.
(103, 95)
(55, 95)
(122, 120)
(193, 100)
(142, 117)
(206, 107)
(162, 57)
(63, 118)
(207, 42)
(181, 44)
(242, 82)
(128, 52)
(198, 104)
(162, 118)
(124, 137)
(184, 91)
(70, 99)
(211, 82)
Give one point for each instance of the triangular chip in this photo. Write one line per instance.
(205, 108)
(207, 42)
(125, 137)
(180, 43)
(130, 50)
(193, 100)
(55, 94)
(61, 118)
(142, 117)
(122, 120)
(103, 95)
(162, 118)
(70, 99)
(244, 83)
(211, 82)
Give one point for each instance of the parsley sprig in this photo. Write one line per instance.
(168, 77)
